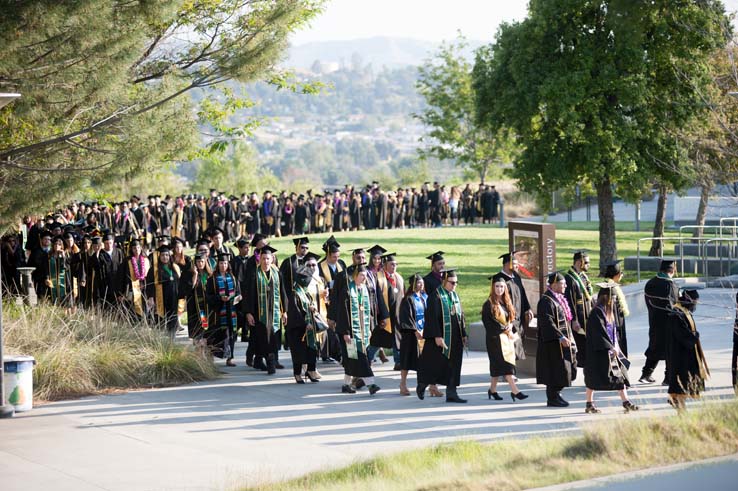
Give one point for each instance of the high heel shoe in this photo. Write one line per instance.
(519, 396)
(591, 409)
(491, 394)
(383, 357)
(312, 377)
(299, 379)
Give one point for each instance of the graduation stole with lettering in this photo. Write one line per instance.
(262, 292)
(305, 302)
(226, 288)
(58, 277)
(360, 309)
(449, 304)
(384, 285)
(699, 354)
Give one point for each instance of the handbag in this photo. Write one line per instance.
(320, 323)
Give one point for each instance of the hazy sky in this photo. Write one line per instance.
(431, 20)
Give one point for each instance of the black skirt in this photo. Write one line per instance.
(409, 359)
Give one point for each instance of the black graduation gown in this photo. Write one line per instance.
(431, 283)
(221, 336)
(287, 268)
(169, 282)
(380, 312)
(554, 364)
(580, 308)
(597, 374)
(265, 339)
(409, 341)
(108, 276)
(394, 295)
(520, 301)
(195, 295)
(661, 295)
(246, 276)
(296, 328)
(37, 259)
(192, 215)
(493, 330)
(686, 371)
(359, 367)
(620, 324)
(435, 368)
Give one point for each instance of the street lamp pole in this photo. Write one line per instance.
(6, 410)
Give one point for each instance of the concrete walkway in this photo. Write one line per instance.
(248, 427)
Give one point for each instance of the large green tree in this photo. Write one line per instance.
(595, 91)
(454, 132)
(106, 85)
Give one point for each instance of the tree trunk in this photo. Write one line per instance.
(608, 244)
(702, 209)
(657, 246)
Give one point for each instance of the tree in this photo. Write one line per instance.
(235, 172)
(445, 81)
(105, 85)
(595, 91)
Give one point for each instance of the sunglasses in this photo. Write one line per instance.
(453, 282)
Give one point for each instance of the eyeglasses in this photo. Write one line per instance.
(452, 282)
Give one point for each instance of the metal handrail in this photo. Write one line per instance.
(718, 232)
(704, 255)
(664, 239)
(733, 219)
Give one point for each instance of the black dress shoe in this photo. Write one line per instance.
(373, 389)
(347, 389)
(563, 401)
(491, 394)
(557, 403)
(259, 365)
(455, 399)
(397, 367)
(359, 384)
(278, 366)
(420, 390)
(646, 379)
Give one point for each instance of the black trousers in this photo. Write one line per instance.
(651, 364)
(734, 360)
(553, 392)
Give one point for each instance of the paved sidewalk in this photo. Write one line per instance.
(248, 427)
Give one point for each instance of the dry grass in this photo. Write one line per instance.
(604, 448)
(92, 351)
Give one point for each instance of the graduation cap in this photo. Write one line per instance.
(189, 196)
(256, 239)
(267, 248)
(689, 296)
(95, 239)
(331, 245)
(162, 238)
(376, 250)
(498, 277)
(241, 243)
(360, 268)
(507, 256)
(303, 273)
(57, 238)
(666, 264)
(612, 268)
(200, 257)
(580, 253)
(177, 240)
(606, 285)
(449, 273)
(150, 197)
(300, 240)
(436, 256)
(213, 190)
(55, 225)
(163, 248)
(311, 255)
(202, 242)
(108, 235)
(555, 277)
(389, 257)
(358, 250)
(216, 230)
(224, 256)
(134, 242)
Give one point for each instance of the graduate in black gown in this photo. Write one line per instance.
(162, 290)
(433, 279)
(107, 271)
(498, 315)
(519, 298)
(579, 295)
(302, 327)
(607, 366)
(266, 308)
(193, 288)
(556, 364)
(687, 364)
(353, 325)
(58, 275)
(329, 268)
(734, 357)
(661, 294)
(224, 294)
(614, 274)
(445, 337)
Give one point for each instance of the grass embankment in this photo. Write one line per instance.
(603, 448)
(89, 352)
(474, 250)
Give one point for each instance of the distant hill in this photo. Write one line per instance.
(379, 51)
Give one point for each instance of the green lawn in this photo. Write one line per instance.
(474, 250)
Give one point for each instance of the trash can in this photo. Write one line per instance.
(19, 381)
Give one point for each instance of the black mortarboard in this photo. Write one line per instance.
(612, 268)
(68, 234)
(161, 238)
(300, 240)
(376, 250)
(56, 238)
(389, 257)
(163, 248)
(358, 250)
(580, 253)
(95, 239)
(554, 277)
(267, 248)
(331, 241)
(224, 256)
(449, 273)
(498, 277)
(108, 236)
(134, 242)
(311, 255)
(200, 257)
(241, 242)
(436, 256)
(692, 294)
(216, 230)
(177, 240)
(204, 242)
(303, 272)
(606, 285)
(666, 264)
(45, 233)
(256, 239)
(507, 256)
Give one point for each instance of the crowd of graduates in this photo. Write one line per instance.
(319, 307)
